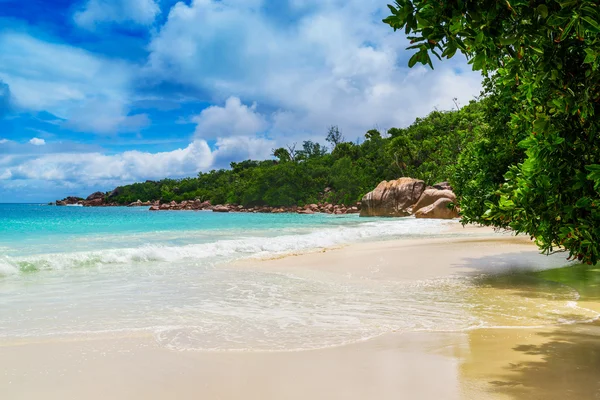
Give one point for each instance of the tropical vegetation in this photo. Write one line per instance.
(340, 174)
(537, 169)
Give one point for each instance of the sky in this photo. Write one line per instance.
(100, 93)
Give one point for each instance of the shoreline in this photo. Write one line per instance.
(493, 364)
(482, 363)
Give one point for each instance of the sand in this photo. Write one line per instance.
(554, 362)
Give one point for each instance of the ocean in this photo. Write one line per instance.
(75, 271)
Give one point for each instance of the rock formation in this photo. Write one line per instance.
(430, 196)
(69, 200)
(393, 198)
(439, 210)
(443, 186)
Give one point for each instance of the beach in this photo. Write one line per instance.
(533, 339)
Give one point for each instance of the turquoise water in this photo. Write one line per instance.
(33, 228)
(39, 237)
(73, 271)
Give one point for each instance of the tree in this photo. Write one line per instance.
(311, 149)
(282, 154)
(545, 55)
(334, 136)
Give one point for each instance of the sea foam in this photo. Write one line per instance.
(228, 248)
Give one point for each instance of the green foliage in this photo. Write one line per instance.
(334, 136)
(542, 58)
(428, 150)
(430, 147)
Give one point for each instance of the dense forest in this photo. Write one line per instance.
(339, 173)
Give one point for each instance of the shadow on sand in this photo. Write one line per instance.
(566, 359)
(569, 367)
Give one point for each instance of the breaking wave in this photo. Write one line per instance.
(226, 249)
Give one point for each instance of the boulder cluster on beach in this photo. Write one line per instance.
(407, 196)
(98, 200)
(198, 205)
(397, 198)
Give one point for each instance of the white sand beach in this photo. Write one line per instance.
(556, 361)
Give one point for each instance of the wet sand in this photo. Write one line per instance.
(554, 362)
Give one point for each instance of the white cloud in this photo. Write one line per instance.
(2, 141)
(129, 166)
(329, 67)
(37, 141)
(241, 148)
(105, 117)
(234, 119)
(90, 91)
(105, 171)
(142, 12)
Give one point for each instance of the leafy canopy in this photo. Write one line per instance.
(542, 59)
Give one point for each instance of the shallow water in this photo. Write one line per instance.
(89, 271)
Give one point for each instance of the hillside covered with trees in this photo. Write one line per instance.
(339, 173)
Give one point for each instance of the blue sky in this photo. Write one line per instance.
(98, 93)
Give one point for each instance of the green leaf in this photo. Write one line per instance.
(542, 9)
(590, 56)
(456, 26)
(506, 41)
(594, 24)
(540, 125)
(568, 28)
(537, 50)
(413, 60)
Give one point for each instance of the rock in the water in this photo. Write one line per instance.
(430, 196)
(221, 208)
(437, 210)
(69, 201)
(154, 208)
(392, 199)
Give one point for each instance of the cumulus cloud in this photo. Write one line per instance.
(37, 141)
(100, 171)
(241, 148)
(106, 117)
(77, 85)
(94, 12)
(325, 67)
(129, 166)
(234, 119)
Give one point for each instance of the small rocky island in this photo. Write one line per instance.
(397, 198)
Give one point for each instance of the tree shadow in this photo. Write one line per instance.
(527, 276)
(512, 263)
(567, 362)
(569, 367)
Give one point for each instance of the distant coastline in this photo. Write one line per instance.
(396, 198)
